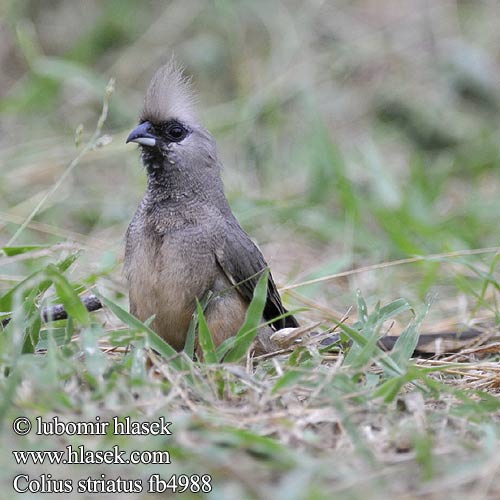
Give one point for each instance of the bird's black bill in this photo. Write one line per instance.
(142, 134)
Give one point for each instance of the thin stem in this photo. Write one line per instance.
(384, 265)
(88, 147)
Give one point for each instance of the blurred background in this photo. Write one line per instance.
(351, 133)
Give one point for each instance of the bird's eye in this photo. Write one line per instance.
(176, 132)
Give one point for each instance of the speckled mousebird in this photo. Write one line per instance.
(183, 239)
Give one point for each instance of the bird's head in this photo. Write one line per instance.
(169, 131)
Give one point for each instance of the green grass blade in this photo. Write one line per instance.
(205, 337)
(18, 250)
(6, 300)
(407, 341)
(396, 307)
(34, 323)
(72, 302)
(253, 318)
(191, 333)
(381, 356)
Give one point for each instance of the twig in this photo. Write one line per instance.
(54, 313)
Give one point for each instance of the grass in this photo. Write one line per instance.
(363, 158)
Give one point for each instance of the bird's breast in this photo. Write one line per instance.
(166, 273)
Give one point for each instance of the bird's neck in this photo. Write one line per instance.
(174, 187)
(170, 184)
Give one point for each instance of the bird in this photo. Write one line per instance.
(184, 241)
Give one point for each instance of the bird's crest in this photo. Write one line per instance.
(170, 95)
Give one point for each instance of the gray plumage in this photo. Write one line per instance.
(183, 239)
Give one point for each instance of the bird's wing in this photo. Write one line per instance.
(243, 264)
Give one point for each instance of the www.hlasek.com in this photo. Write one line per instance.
(77, 455)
